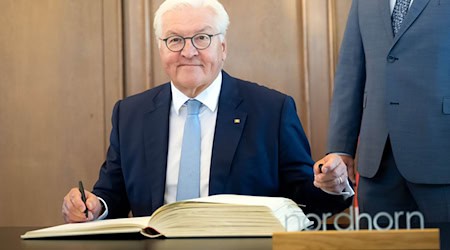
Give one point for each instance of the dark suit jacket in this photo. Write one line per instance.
(397, 87)
(266, 154)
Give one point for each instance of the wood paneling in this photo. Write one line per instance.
(54, 62)
(265, 46)
(318, 71)
(324, 25)
(64, 63)
(137, 45)
(113, 75)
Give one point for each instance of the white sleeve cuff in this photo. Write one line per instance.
(103, 216)
(348, 191)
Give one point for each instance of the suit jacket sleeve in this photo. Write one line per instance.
(110, 185)
(347, 104)
(295, 164)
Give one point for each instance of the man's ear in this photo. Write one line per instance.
(224, 49)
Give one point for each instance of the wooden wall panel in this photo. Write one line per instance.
(64, 63)
(341, 10)
(317, 59)
(53, 101)
(137, 45)
(265, 46)
(113, 61)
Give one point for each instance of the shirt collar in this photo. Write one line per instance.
(208, 97)
(392, 4)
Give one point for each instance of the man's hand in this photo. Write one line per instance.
(333, 172)
(73, 207)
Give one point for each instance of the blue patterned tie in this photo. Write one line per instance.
(189, 176)
(399, 13)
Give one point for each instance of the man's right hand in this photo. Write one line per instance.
(339, 159)
(73, 207)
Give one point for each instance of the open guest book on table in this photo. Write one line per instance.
(213, 216)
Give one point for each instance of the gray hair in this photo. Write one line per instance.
(221, 21)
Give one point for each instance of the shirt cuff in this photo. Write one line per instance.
(105, 213)
(342, 153)
(348, 191)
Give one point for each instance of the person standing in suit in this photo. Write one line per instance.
(251, 140)
(391, 101)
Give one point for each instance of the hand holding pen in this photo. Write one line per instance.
(80, 205)
(330, 174)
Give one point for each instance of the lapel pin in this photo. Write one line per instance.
(237, 121)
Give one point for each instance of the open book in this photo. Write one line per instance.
(213, 216)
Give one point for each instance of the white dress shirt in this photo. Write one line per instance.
(178, 112)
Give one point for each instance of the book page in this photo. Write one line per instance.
(274, 203)
(284, 209)
(213, 216)
(124, 225)
(213, 219)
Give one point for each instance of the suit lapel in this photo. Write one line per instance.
(414, 11)
(156, 136)
(230, 123)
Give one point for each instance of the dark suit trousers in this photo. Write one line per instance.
(388, 191)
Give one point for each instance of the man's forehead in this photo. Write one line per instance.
(184, 30)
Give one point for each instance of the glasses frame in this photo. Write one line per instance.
(192, 41)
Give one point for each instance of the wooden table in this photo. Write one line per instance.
(10, 240)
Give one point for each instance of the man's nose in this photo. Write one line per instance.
(189, 49)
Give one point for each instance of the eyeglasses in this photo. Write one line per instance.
(199, 41)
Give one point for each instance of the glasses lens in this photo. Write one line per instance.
(201, 41)
(175, 43)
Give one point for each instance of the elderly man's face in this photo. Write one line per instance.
(192, 70)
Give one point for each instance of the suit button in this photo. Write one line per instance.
(391, 59)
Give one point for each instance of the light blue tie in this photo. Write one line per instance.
(189, 175)
(399, 14)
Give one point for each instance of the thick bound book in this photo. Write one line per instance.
(213, 216)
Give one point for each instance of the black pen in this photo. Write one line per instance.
(83, 196)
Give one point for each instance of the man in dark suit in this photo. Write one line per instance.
(392, 93)
(252, 142)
